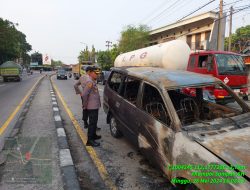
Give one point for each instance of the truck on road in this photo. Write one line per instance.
(11, 71)
(78, 69)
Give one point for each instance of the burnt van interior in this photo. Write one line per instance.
(196, 104)
(153, 104)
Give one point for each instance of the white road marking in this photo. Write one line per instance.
(54, 103)
(53, 98)
(55, 109)
(61, 132)
(57, 118)
(65, 158)
(2, 85)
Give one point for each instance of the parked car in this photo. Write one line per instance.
(173, 128)
(62, 74)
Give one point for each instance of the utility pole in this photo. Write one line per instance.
(108, 44)
(219, 37)
(230, 28)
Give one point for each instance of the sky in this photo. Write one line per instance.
(62, 28)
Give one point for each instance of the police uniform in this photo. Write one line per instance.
(82, 81)
(92, 103)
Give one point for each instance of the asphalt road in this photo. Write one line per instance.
(32, 156)
(11, 94)
(126, 167)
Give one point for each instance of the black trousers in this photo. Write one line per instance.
(84, 115)
(93, 118)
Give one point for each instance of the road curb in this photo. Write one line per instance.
(70, 179)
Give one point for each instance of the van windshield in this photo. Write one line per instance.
(61, 72)
(230, 64)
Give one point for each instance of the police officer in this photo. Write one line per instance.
(82, 81)
(92, 102)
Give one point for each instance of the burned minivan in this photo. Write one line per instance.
(176, 123)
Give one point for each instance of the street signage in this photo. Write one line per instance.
(34, 64)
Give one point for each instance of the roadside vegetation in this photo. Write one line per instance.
(13, 44)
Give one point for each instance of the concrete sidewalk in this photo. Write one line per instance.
(33, 154)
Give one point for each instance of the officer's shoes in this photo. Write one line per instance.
(92, 143)
(96, 137)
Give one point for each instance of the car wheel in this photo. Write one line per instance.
(115, 132)
(245, 97)
(187, 187)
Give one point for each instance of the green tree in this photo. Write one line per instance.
(92, 54)
(55, 63)
(104, 60)
(84, 55)
(240, 39)
(13, 43)
(114, 52)
(133, 38)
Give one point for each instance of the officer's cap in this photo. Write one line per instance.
(91, 69)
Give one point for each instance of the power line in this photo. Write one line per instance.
(234, 12)
(108, 44)
(196, 10)
(233, 2)
(157, 16)
(217, 20)
(236, 8)
(227, 4)
(152, 12)
(174, 10)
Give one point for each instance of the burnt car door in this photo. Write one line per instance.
(128, 107)
(155, 137)
(112, 96)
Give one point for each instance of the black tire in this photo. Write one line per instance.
(187, 187)
(115, 132)
(245, 97)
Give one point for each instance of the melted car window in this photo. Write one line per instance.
(131, 88)
(115, 81)
(153, 104)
